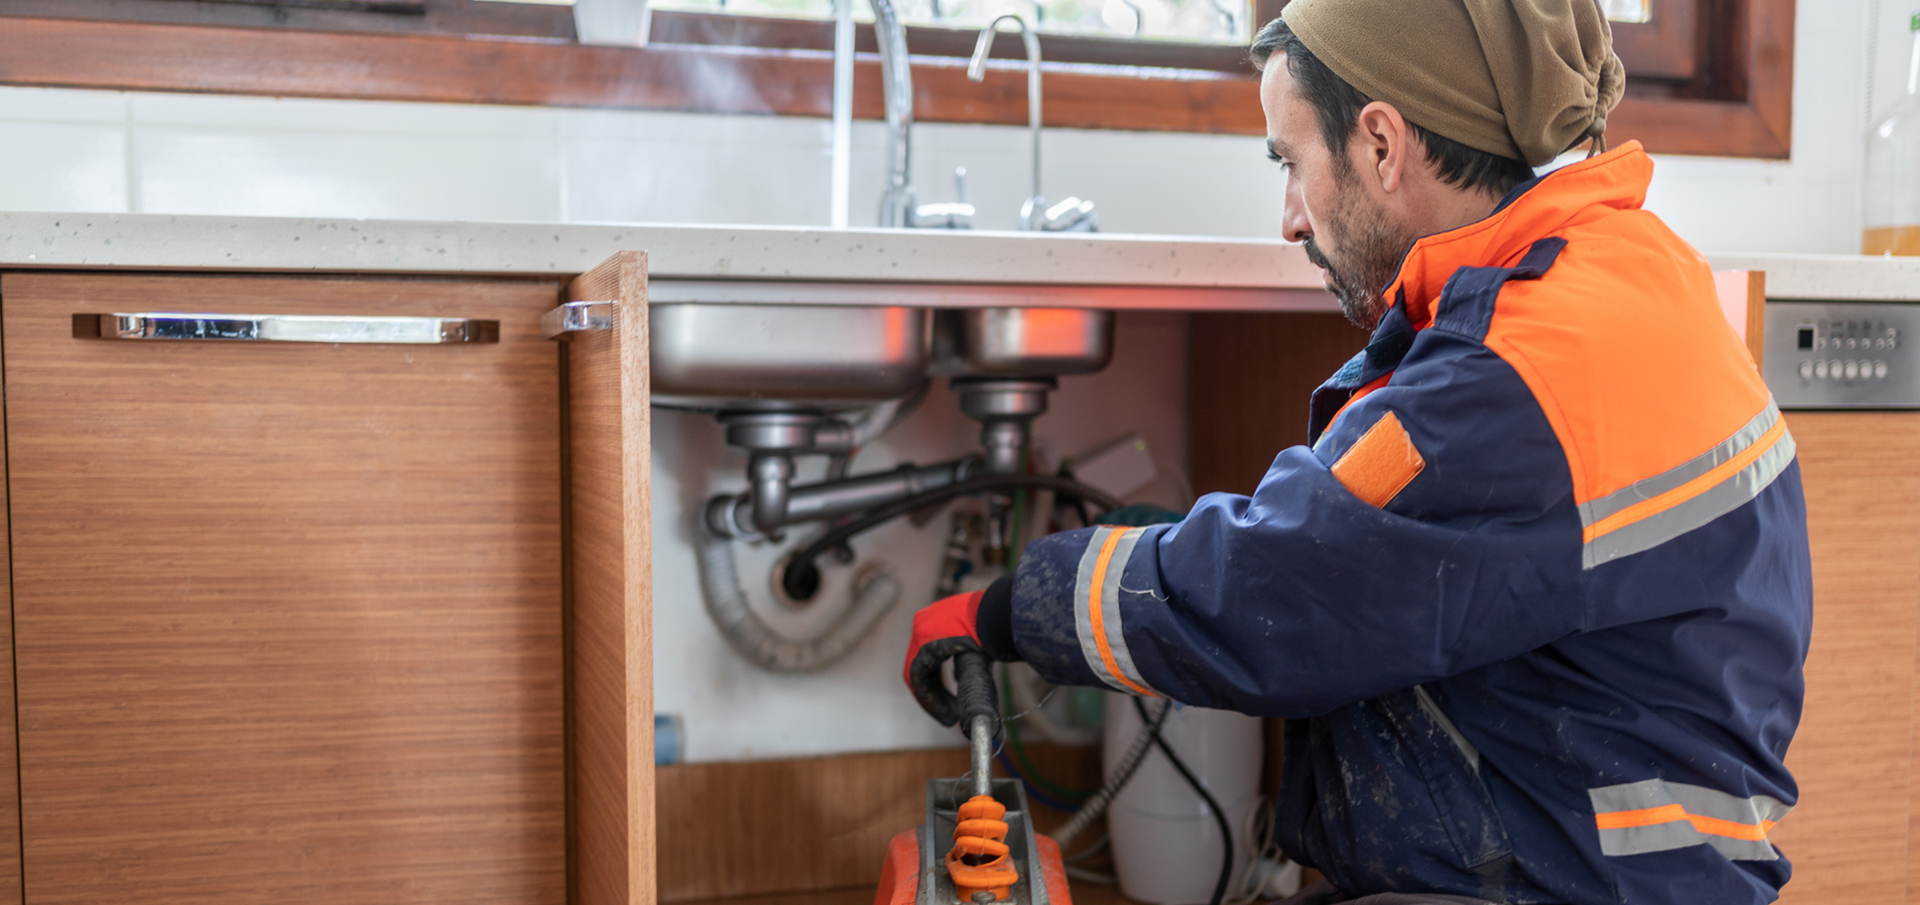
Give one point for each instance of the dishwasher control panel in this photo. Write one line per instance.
(1843, 355)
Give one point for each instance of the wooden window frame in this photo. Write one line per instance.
(1709, 77)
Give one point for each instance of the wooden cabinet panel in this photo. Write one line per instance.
(11, 891)
(1847, 838)
(610, 597)
(288, 616)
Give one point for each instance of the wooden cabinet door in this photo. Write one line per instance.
(1852, 756)
(288, 616)
(611, 846)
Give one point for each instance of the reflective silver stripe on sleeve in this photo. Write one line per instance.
(1703, 507)
(1656, 816)
(1110, 607)
(1082, 600)
(1639, 491)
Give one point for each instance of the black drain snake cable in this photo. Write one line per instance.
(801, 577)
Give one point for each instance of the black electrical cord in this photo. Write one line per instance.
(1219, 817)
(801, 578)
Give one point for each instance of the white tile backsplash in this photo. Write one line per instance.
(693, 168)
(1168, 182)
(63, 166)
(61, 105)
(206, 154)
(198, 154)
(306, 173)
(275, 114)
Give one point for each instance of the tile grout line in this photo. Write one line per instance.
(560, 133)
(134, 205)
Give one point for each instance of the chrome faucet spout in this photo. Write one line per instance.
(1033, 212)
(896, 77)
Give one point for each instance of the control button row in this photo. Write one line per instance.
(1837, 343)
(1843, 370)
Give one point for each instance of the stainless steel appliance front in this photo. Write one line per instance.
(1843, 355)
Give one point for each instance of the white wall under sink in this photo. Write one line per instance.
(74, 150)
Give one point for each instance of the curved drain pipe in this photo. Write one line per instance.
(875, 592)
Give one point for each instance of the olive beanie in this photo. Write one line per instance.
(1527, 79)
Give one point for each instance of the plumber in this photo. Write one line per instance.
(1535, 599)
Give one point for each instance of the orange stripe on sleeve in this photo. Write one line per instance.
(1620, 820)
(1096, 619)
(1673, 813)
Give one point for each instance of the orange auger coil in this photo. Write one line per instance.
(979, 858)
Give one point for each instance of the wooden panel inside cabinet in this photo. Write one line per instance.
(1250, 378)
(1852, 756)
(802, 825)
(288, 615)
(610, 594)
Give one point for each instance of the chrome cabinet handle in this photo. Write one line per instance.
(284, 328)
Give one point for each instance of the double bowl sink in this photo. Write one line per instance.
(729, 356)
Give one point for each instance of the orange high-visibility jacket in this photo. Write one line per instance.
(1535, 601)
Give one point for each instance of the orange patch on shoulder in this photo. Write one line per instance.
(1381, 464)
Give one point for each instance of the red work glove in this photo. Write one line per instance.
(980, 621)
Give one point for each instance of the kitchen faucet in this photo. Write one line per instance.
(1071, 215)
(897, 202)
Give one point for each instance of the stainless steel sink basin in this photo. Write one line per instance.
(726, 356)
(1022, 342)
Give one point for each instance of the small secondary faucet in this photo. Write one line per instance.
(1072, 214)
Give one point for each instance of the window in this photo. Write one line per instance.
(1199, 21)
(1705, 76)
(1627, 10)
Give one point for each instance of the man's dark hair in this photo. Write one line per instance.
(1337, 105)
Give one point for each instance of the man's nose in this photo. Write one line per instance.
(1293, 216)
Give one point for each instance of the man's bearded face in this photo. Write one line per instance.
(1363, 250)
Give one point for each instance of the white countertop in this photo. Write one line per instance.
(732, 263)
(1831, 277)
(799, 264)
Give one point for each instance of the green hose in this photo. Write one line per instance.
(1019, 751)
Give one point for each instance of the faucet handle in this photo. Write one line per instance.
(1070, 216)
(943, 215)
(947, 215)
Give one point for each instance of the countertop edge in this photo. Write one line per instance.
(1130, 270)
(271, 244)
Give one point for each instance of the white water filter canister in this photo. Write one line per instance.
(1166, 845)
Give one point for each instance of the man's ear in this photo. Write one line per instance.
(1382, 145)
